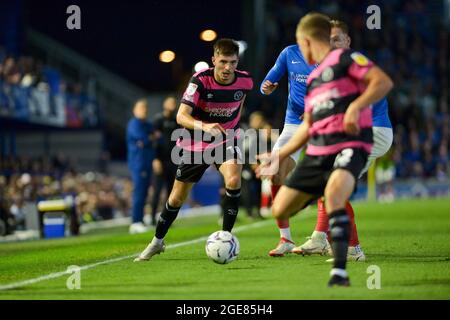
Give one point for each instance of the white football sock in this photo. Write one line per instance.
(339, 272)
(286, 233)
(157, 241)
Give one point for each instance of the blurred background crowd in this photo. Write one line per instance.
(30, 89)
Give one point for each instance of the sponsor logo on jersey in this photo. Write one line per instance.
(323, 101)
(298, 77)
(220, 112)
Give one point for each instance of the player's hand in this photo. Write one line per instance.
(213, 128)
(268, 87)
(351, 119)
(269, 165)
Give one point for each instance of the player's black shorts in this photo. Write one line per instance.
(192, 171)
(312, 173)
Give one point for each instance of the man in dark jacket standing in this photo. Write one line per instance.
(165, 124)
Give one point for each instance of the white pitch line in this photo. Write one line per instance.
(90, 266)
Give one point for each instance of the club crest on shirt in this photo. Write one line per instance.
(327, 74)
(360, 59)
(238, 95)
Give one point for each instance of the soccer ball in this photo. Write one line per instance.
(222, 247)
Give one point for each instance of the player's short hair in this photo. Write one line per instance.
(340, 25)
(315, 25)
(226, 47)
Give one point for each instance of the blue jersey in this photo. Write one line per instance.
(291, 60)
(140, 146)
(380, 114)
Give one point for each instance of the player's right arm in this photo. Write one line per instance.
(270, 82)
(186, 120)
(377, 84)
(190, 101)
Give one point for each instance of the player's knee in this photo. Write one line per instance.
(277, 210)
(233, 182)
(176, 199)
(175, 202)
(333, 200)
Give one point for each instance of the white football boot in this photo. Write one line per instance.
(153, 248)
(316, 244)
(353, 254)
(283, 247)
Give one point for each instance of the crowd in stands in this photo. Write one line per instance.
(23, 180)
(34, 92)
(412, 46)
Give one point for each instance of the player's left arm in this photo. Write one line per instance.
(378, 84)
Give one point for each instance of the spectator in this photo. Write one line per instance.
(140, 136)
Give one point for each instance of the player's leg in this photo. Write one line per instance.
(347, 166)
(383, 138)
(318, 242)
(337, 192)
(177, 197)
(187, 175)
(231, 171)
(286, 243)
(287, 203)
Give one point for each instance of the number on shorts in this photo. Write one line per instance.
(343, 158)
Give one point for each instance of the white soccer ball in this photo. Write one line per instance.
(222, 247)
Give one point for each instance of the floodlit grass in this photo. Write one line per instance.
(408, 240)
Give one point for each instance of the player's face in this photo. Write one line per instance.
(224, 67)
(305, 47)
(339, 39)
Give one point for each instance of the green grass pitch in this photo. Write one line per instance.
(408, 240)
